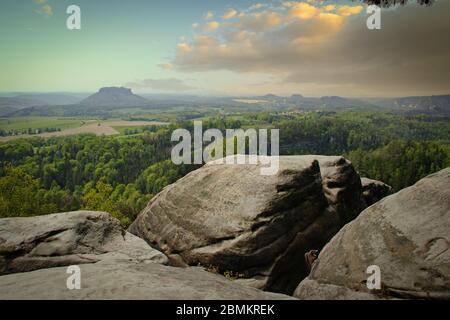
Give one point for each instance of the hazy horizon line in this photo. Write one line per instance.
(12, 94)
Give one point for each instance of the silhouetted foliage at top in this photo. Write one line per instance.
(387, 3)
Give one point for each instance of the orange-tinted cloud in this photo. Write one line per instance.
(309, 43)
(231, 13)
(301, 10)
(349, 10)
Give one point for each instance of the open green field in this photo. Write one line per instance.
(21, 123)
(123, 126)
(70, 126)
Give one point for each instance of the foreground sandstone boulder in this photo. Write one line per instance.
(232, 218)
(71, 238)
(127, 280)
(407, 235)
(114, 264)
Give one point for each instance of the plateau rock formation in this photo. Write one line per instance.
(114, 97)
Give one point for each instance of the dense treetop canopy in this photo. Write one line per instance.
(121, 174)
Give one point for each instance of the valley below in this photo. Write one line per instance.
(95, 186)
(99, 128)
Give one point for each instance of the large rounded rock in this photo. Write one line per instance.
(70, 238)
(35, 254)
(232, 218)
(125, 281)
(406, 235)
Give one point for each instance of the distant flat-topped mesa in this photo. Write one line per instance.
(115, 90)
(232, 218)
(114, 97)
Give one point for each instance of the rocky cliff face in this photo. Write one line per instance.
(232, 218)
(406, 235)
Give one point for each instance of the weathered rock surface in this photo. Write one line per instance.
(114, 264)
(373, 191)
(71, 238)
(127, 280)
(234, 218)
(406, 235)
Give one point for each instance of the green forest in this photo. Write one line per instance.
(120, 174)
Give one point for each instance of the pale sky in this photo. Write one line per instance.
(222, 47)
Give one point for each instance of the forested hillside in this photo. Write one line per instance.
(121, 174)
(99, 173)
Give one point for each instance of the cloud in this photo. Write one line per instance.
(184, 48)
(45, 9)
(257, 6)
(349, 10)
(207, 27)
(166, 66)
(257, 21)
(210, 26)
(209, 15)
(301, 10)
(168, 84)
(308, 43)
(231, 13)
(259, 40)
